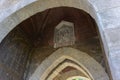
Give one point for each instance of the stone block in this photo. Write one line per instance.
(115, 60)
(105, 4)
(110, 18)
(64, 34)
(113, 38)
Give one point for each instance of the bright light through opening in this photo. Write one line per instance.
(78, 78)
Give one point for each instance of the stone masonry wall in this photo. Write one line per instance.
(14, 53)
(105, 12)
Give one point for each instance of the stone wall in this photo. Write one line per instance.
(105, 12)
(14, 54)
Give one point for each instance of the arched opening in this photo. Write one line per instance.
(62, 60)
(32, 41)
(77, 78)
(69, 72)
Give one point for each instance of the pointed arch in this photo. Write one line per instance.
(63, 66)
(18, 11)
(87, 63)
(77, 77)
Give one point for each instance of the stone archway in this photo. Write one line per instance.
(67, 64)
(107, 18)
(94, 69)
(22, 14)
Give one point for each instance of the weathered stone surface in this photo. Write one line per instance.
(109, 15)
(113, 38)
(9, 7)
(105, 4)
(64, 34)
(14, 53)
(10, 21)
(110, 18)
(115, 60)
(110, 25)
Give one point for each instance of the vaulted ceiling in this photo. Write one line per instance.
(40, 27)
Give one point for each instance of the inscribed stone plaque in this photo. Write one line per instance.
(64, 34)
